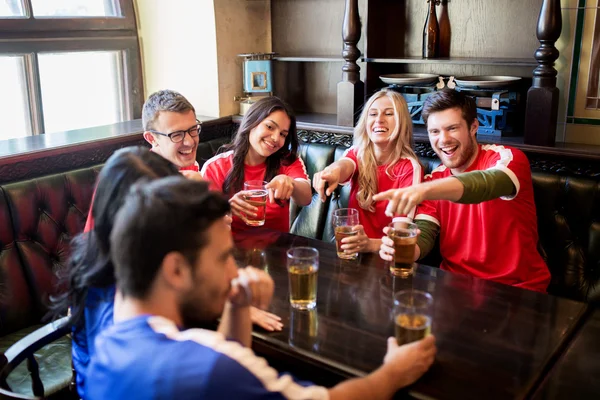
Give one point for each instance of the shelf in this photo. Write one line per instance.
(505, 62)
(309, 58)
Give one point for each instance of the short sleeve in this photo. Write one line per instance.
(212, 172)
(256, 380)
(511, 161)
(296, 170)
(350, 155)
(428, 211)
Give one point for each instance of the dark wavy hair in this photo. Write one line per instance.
(445, 99)
(286, 155)
(90, 264)
(184, 209)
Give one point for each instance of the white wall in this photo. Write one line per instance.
(179, 50)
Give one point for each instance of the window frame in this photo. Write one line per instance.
(27, 36)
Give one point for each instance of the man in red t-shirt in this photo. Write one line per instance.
(480, 201)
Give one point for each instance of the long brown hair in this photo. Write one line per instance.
(401, 141)
(286, 155)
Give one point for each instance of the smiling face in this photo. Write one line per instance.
(267, 137)
(182, 154)
(452, 139)
(381, 121)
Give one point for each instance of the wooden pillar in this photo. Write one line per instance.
(542, 97)
(350, 91)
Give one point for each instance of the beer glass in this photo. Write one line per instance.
(303, 265)
(404, 234)
(412, 315)
(344, 220)
(256, 194)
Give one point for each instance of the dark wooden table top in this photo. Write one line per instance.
(576, 375)
(494, 341)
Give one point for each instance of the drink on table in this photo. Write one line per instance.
(412, 315)
(256, 194)
(303, 267)
(344, 220)
(404, 234)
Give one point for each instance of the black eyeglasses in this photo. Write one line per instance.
(178, 136)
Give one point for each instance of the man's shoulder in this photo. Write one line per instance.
(441, 171)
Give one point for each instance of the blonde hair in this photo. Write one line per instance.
(401, 140)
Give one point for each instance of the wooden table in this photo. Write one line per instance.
(494, 341)
(576, 375)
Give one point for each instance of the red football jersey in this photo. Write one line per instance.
(277, 217)
(495, 239)
(405, 172)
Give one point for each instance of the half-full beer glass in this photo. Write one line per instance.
(303, 266)
(256, 194)
(412, 315)
(344, 220)
(404, 234)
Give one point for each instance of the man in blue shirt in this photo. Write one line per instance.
(173, 256)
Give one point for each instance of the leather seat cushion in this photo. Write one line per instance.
(54, 362)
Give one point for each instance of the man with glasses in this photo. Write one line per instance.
(171, 127)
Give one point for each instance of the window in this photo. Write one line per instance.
(69, 64)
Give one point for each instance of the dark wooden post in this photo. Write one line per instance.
(542, 97)
(350, 91)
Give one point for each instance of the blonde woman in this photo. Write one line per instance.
(380, 159)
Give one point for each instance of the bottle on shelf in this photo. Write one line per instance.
(431, 32)
(445, 31)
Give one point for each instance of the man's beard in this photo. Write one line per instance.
(194, 315)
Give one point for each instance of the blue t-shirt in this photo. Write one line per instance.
(97, 316)
(148, 357)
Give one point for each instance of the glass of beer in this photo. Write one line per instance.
(303, 265)
(404, 234)
(344, 220)
(412, 315)
(256, 194)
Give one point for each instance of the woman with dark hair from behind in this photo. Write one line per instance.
(264, 149)
(91, 292)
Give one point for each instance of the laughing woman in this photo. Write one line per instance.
(381, 158)
(264, 149)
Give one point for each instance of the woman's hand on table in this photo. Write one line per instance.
(240, 207)
(409, 362)
(265, 319)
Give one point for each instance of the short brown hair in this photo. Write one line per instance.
(445, 99)
(163, 100)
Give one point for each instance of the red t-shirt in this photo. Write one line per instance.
(495, 239)
(277, 218)
(404, 173)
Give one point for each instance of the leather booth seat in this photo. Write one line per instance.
(38, 217)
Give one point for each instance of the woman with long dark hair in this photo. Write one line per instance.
(264, 149)
(91, 292)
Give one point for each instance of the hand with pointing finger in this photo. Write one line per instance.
(329, 176)
(280, 188)
(401, 201)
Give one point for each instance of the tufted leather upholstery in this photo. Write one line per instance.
(568, 210)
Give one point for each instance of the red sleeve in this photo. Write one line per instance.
(350, 154)
(427, 210)
(215, 172)
(296, 170)
(509, 160)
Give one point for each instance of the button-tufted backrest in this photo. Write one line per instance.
(46, 212)
(16, 304)
(568, 211)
